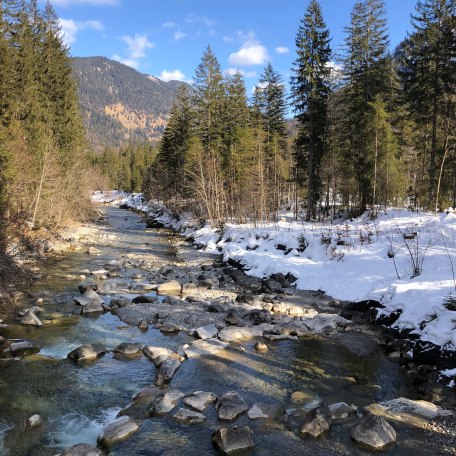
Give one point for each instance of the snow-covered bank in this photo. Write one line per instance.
(352, 260)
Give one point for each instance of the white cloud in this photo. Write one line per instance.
(137, 46)
(175, 75)
(65, 3)
(71, 28)
(193, 19)
(251, 53)
(282, 50)
(178, 35)
(169, 25)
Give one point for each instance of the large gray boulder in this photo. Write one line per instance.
(319, 421)
(230, 406)
(89, 297)
(127, 348)
(200, 400)
(167, 402)
(117, 431)
(206, 332)
(374, 433)
(187, 416)
(203, 347)
(166, 371)
(142, 402)
(233, 439)
(23, 348)
(153, 352)
(82, 449)
(92, 307)
(171, 287)
(31, 319)
(87, 352)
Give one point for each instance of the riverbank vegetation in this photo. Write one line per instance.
(373, 130)
(43, 159)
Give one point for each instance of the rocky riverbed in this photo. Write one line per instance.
(205, 359)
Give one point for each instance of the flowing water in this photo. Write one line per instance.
(77, 400)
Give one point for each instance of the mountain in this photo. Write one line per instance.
(119, 104)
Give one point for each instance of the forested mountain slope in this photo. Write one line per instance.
(119, 104)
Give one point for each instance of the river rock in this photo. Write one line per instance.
(230, 406)
(261, 347)
(141, 287)
(88, 297)
(117, 303)
(100, 273)
(171, 287)
(167, 402)
(86, 352)
(127, 348)
(143, 325)
(232, 439)
(415, 413)
(256, 412)
(200, 400)
(319, 421)
(93, 251)
(373, 433)
(31, 319)
(187, 416)
(120, 429)
(232, 317)
(204, 347)
(93, 307)
(153, 352)
(166, 371)
(34, 421)
(86, 286)
(216, 307)
(240, 334)
(24, 348)
(142, 402)
(169, 328)
(340, 410)
(82, 449)
(162, 358)
(206, 332)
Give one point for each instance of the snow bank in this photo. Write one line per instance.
(354, 260)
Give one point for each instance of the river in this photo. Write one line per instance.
(77, 400)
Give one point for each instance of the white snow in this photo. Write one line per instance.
(350, 260)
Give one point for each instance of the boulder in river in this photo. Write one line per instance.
(166, 371)
(153, 352)
(200, 400)
(171, 287)
(31, 319)
(239, 334)
(93, 307)
(117, 303)
(120, 429)
(203, 347)
(167, 402)
(82, 449)
(256, 412)
(89, 297)
(143, 325)
(206, 332)
(142, 402)
(374, 433)
(187, 416)
(127, 348)
(144, 299)
(318, 421)
(230, 406)
(87, 352)
(233, 439)
(24, 348)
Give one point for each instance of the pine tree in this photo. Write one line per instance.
(367, 72)
(428, 69)
(310, 92)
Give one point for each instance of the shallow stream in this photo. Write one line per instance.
(76, 401)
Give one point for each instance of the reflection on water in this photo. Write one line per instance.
(76, 401)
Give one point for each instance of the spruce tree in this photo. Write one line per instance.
(428, 70)
(367, 73)
(310, 91)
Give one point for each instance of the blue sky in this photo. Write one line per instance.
(168, 38)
